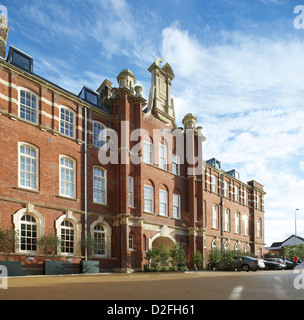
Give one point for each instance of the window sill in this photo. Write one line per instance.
(28, 190)
(67, 198)
(151, 213)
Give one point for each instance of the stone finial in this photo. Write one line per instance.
(189, 121)
(126, 79)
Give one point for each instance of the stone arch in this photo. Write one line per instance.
(40, 220)
(163, 237)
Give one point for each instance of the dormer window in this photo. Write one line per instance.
(89, 96)
(20, 59)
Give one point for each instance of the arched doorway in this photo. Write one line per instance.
(166, 241)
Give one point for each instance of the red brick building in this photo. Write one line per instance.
(53, 179)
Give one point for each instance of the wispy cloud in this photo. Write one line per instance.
(246, 91)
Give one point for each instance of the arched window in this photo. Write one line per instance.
(28, 233)
(163, 202)
(247, 249)
(236, 193)
(214, 187)
(100, 241)
(67, 237)
(226, 246)
(28, 106)
(131, 241)
(259, 228)
(176, 206)
(148, 198)
(227, 220)
(214, 245)
(67, 122)
(238, 247)
(237, 222)
(28, 166)
(163, 156)
(246, 224)
(215, 217)
(226, 190)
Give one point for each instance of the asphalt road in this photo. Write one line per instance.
(190, 286)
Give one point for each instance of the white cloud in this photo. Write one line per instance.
(247, 94)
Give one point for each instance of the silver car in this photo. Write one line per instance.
(245, 263)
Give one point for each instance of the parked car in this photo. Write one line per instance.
(245, 263)
(273, 265)
(278, 260)
(289, 264)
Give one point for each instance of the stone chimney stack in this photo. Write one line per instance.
(104, 91)
(3, 34)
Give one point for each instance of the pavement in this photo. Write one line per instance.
(188, 286)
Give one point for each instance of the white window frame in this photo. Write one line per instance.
(100, 238)
(246, 224)
(215, 216)
(69, 228)
(226, 189)
(131, 241)
(131, 191)
(227, 220)
(176, 206)
(236, 193)
(258, 201)
(148, 200)
(237, 218)
(28, 108)
(32, 160)
(28, 229)
(67, 123)
(61, 181)
(99, 140)
(245, 197)
(163, 202)
(148, 152)
(214, 184)
(163, 156)
(102, 180)
(175, 164)
(259, 228)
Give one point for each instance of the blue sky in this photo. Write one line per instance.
(238, 67)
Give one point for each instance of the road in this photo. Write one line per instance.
(204, 285)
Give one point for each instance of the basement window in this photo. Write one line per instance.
(20, 59)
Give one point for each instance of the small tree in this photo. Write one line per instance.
(214, 258)
(91, 244)
(49, 244)
(163, 257)
(197, 260)
(8, 240)
(227, 260)
(178, 257)
(151, 257)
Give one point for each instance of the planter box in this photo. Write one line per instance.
(14, 268)
(53, 267)
(89, 267)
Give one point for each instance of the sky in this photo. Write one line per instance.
(238, 65)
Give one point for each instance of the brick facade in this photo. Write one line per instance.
(118, 219)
